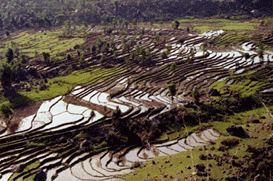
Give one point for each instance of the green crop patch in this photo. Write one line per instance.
(89, 75)
(205, 25)
(53, 90)
(26, 170)
(36, 43)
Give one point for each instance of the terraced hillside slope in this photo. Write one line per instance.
(133, 95)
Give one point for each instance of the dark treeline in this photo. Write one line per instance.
(17, 14)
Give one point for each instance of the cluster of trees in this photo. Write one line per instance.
(12, 70)
(16, 14)
(127, 131)
(141, 131)
(141, 55)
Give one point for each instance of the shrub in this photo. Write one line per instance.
(79, 53)
(164, 55)
(143, 31)
(68, 57)
(81, 61)
(92, 114)
(108, 30)
(57, 59)
(196, 94)
(42, 86)
(116, 113)
(5, 110)
(46, 57)
(172, 89)
(10, 55)
(157, 37)
(246, 55)
(7, 33)
(230, 142)
(169, 48)
(93, 48)
(181, 39)
(175, 24)
(23, 59)
(173, 66)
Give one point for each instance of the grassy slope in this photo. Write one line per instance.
(178, 163)
(210, 24)
(49, 42)
(61, 85)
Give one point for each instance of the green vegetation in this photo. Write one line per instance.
(29, 168)
(89, 75)
(104, 63)
(175, 166)
(33, 44)
(175, 24)
(49, 14)
(5, 109)
(225, 25)
(246, 84)
(54, 89)
(172, 89)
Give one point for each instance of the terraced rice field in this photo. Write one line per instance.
(33, 44)
(139, 91)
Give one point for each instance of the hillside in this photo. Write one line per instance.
(106, 102)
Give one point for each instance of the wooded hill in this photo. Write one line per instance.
(18, 14)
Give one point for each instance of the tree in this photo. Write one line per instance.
(157, 38)
(244, 3)
(6, 78)
(134, 21)
(173, 66)
(175, 24)
(181, 39)
(7, 33)
(68, 57)
(142, 31)
(6, 110)
(192, 53)
(172, 89)
(168, 48)
(125, 23)
(128, 63)
(93, 48)
(164, 55)
(196, 94)
(261, 52)
(10, 55)
(85, 24)
(81, 61)
(116, 113)
(103, 60)
(23, 59)
(46, 57)
(104, 48)
(116, 6)
(67, 25)
(246, 55)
